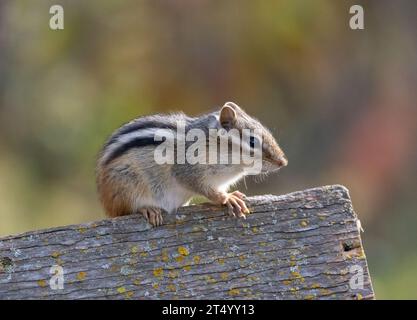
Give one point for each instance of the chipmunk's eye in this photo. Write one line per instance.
(252, 141)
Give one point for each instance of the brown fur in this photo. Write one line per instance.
(117, 192)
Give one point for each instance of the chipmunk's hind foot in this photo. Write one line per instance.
(152, 215)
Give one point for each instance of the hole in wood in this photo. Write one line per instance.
(350, 245)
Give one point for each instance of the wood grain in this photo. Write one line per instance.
(303, 245)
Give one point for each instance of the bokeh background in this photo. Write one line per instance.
(341, 102)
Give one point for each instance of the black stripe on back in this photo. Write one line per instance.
(139, 125)
(134, 143)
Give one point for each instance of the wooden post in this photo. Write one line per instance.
(303, 245)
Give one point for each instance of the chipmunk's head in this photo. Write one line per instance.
(233, 117)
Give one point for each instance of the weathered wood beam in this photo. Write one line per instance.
(303, 245)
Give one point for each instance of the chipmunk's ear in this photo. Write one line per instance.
(232, 105)
(227, 117)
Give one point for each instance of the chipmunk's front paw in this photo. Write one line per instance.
(152, 215)
(235, 204)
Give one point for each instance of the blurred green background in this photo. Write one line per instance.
(341, 102)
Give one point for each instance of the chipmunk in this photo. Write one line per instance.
(129, 179)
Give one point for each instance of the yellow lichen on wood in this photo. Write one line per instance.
(211, 280)
(158, 272)
(42, 283)
(253, 278)
(82, 229)
(183, 251)
(325, 292)
(234, 292)
(121, 290)
(165, 257)
(315, 286)
(81, 275)
(179, 258)
(224, 275)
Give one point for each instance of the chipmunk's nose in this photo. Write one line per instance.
(282, 161)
